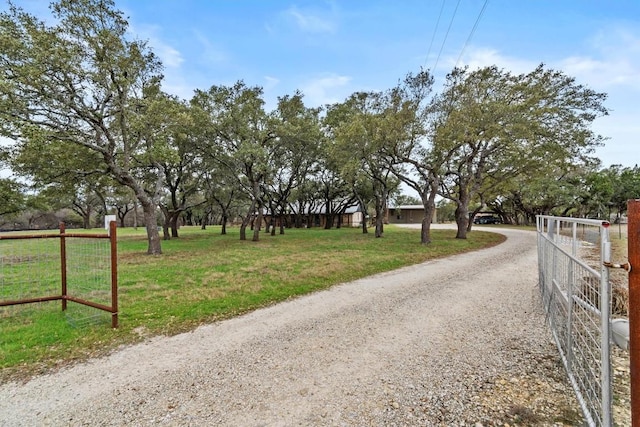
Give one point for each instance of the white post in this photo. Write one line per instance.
(107, 221)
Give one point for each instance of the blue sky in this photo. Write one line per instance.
(330, 49)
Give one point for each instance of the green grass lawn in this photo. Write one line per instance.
(203, 277)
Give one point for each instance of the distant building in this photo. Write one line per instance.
(318, 217)
(407, 214)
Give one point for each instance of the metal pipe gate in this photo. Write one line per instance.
(575, 290)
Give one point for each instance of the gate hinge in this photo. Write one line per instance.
(626, 266)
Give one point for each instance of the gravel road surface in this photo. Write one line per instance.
(456, 341)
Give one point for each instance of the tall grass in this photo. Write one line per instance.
(204, 276)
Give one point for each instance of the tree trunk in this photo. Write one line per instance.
(425, 232)
(173, 223)
(380, 203)
(329, 221)
(298, 218)
(165, 223)
(188, 217)
(99, 218)
(122, 214)
(86, 220)
(428, 195)
(282, 221)
(379, 226)
(462, 220)
(85, 214)
(246, 220)
(245, 223)
(365, 215)
(224, 225)
(257, 225)
(472, 215)
(135, 215)
(378, 229)
(153, 237)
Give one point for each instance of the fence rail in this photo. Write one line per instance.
(576, 294)
(82, 269)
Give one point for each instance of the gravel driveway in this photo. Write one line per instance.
(456, 341)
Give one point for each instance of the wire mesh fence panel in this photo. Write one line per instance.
(29, 268)
(80, 268)
(88, 278)
(576, 295)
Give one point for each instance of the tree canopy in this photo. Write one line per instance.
(493, 126)
(82, 87)
(83, 105)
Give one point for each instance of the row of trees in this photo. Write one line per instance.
(583, 192)
(83, 107)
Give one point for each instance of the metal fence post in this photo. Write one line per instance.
(605, 319)
(570, 292)
(63, 266)
(113, 240)
(633, 212)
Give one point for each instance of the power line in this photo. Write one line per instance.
(435, 30)
(446, 35)
(473, 30)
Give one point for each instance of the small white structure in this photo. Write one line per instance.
(107, 221)
(620, 329)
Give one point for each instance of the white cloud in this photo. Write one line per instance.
(615, 60)
(613, 66)
(311, 21)
(271, 82)
(170, 57)
(178, 87)
(622, 129)
(210, 53)
(484, 57)
(326, 89)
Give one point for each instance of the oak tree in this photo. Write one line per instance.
(84, 84)
(494, 122)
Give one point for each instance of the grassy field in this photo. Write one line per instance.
(203, 277)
